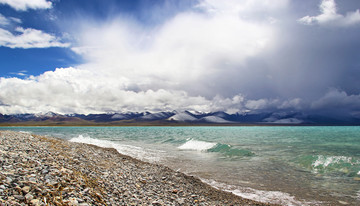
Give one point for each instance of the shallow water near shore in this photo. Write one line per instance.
(284, 165)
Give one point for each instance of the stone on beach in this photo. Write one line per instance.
(37, 170)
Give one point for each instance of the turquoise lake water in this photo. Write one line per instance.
(284, 165)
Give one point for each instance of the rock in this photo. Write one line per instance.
(80, 200)
(19, 197)
(181, 201)
(29, 197)
(35, 202)
(9, 180)
(73, 201)
(26, 189)
(175, 191)
(32, 179)
(156, 203)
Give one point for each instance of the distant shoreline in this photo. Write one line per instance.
(149, 124)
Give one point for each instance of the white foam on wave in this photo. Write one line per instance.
(326, 161)
(274, 197)
(130, 150)
(197, 145)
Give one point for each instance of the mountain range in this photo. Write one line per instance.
(173, 118)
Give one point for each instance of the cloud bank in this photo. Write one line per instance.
(25, 37)
(329, 16)
(184, 53)
(70, 90)
(23, 5)
(233, 56)
(29, 38)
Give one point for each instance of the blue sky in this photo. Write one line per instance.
(52, 20)
(206, 55)
(61, 17)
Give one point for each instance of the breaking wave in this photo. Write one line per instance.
(197, 145)
(224, 149)
(349, 166)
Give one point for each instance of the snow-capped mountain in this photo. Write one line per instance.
(173, 117)
(214, 119)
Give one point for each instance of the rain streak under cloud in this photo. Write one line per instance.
(232, 56)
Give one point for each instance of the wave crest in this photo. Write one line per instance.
(197, 145)
(224, 149)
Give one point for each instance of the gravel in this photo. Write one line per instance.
(38, 170)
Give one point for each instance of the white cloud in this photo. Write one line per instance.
(29, 38)
(179, 54)
(20, 73)
(177, 65)
(23, 5)
(329, 16)
(16, 20)
(134, 68)
(3, 20)
(242, 7)
(71, 90)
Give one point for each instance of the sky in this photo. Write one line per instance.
(245, 56)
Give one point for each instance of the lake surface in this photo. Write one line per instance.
(284, 165)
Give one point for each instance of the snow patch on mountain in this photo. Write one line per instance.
(183, 117)
(157, 116)
(119, 117)
(214, 119)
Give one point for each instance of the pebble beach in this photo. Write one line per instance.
(38, 170)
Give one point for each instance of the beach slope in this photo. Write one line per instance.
(38, 170)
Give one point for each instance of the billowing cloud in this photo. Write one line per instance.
(329, 16)
(185, 52)
(233, 56)
(25, 38)
(29, 38)
(23, 5)
(70, 90)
